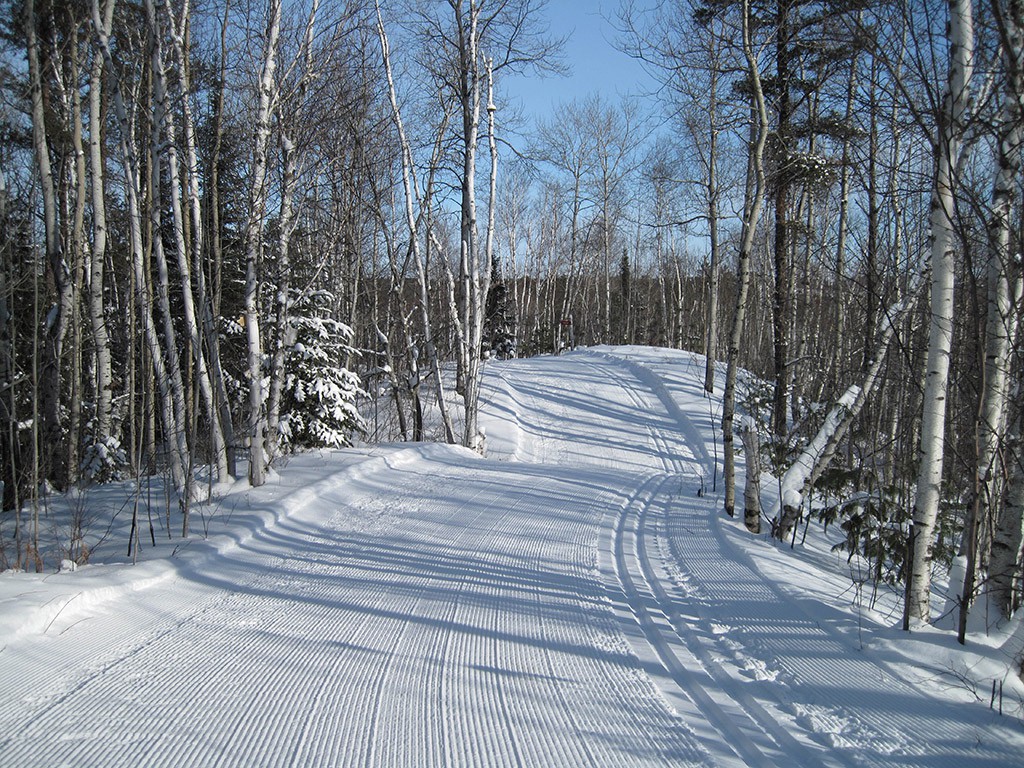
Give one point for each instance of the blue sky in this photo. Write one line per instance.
(595, 63)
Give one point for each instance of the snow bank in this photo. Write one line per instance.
(39, 604)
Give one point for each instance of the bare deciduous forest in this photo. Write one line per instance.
(233, 230)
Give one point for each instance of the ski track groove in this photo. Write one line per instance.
(663, 633)
(653, 575)
(715, 572)
(878, 735)
(594, 552)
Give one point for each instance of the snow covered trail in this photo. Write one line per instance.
(577, 604)
(765, 667)
(439, 610)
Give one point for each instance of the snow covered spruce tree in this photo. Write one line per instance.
(318, 402)
(499, 325)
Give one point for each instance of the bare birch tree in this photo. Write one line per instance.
(258, 193)
(172, 425)
(412, 199)
(1001, 326)
(751, 218)
(948, 145)
(56, 263)
(97, 311)
(167, 126)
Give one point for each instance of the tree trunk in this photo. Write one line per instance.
(77, 270)
(940, 336)
(474, 271)
(803, 473)
(162, 287)
(143, 305)
(752, 486)
(10, 454)
(212, 303)
(845, 171)
(53, 465)
(202, 329)
(285, 225)
(411, 196)
(184, 258)
(782, 294)
(97, 264)
(1001, 325)
(714, 214)
(752, 215)
(253, 251)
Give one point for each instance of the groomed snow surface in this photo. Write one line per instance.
(575, 599)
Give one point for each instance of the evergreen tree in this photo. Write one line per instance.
(320, 392)
(499, 324)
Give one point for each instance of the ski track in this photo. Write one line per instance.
(580, 607)
(819, 687)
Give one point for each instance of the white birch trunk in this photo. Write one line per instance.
(752, 485)
(286, 227)
(1004, 567)
(211, 304)
(214, 388)
(1004, 564)
(77, 273)
(940, 335)
(97, 319)
(182, 248)
(162, 286)
(801, 476)
(471, 304)
(283, 300)
(57, 320)
(151, 338)
(752, 215)
(253, 247)
(711, 344)
(996, 370)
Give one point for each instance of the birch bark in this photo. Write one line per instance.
(470, 268)
(283, 299)
(57, 320)
(411, 198)
(940, 335)
(143, 305)
(97, 263)
(172, 361)
(1004, 563)
(752, 216)
(253, 250)
(286, 228)
(801, 476)
(184, 260)
(214, 387)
